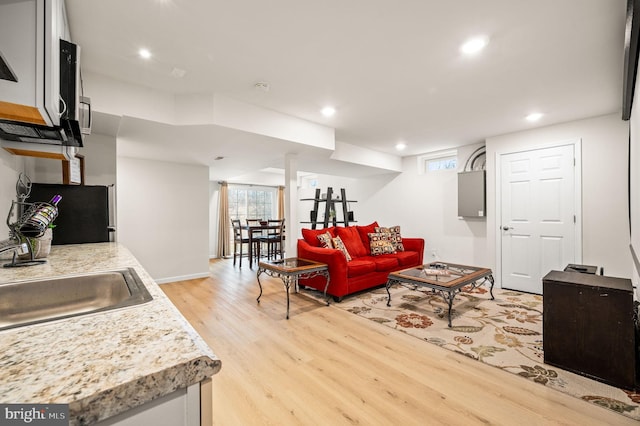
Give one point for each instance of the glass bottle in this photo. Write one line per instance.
(40, 218)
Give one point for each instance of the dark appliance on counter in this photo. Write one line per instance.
(83, 213)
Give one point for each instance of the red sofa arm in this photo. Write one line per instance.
(414, 244)
(334, 259)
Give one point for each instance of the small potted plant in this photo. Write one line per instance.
(40, 246)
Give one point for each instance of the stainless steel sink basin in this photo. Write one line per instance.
(30, 302)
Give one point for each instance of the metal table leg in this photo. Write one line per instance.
(291, 279)
(388, 286)
(287, 283)
(260, 270)
(491, 280)
(326, 287)
(448, 297)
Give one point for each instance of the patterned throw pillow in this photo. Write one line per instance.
(326, 240)
(380, 243)
(394, 236)
(337, 243)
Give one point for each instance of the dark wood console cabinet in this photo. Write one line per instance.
(588, 326)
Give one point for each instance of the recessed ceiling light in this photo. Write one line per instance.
(474, 45)
(262, 85)
(400, 146)
(144, 53)
(535, 116)
(328, 111)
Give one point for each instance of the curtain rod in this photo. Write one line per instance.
(252, 185)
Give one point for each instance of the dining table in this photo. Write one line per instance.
(254, 232)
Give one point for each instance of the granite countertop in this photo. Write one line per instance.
(104, 363)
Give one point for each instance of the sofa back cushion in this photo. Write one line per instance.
(364, 232)
(351, 239)
(311, 235)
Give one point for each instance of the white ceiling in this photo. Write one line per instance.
(392, 69)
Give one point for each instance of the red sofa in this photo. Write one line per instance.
(364, 271)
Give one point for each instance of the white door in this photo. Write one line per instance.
(537, 215)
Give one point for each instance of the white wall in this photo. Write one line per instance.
(99, 158)
(605, 224)
(120, 98)
(163, 217)
(10, 168)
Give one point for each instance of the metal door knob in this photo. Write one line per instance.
(506, 228)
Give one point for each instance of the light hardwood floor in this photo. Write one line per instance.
(325, 366)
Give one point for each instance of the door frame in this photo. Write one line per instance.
(577, 170)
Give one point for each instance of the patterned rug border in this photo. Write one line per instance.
(513, 320)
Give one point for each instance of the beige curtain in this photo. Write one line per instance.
(281, 202)
(224, 247)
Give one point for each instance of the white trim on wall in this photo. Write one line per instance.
(182, 278)
(577, 149)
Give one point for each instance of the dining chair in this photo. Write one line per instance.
(275, 238)
(238, 240)
(256, 238)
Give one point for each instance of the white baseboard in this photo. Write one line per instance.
(182, 278)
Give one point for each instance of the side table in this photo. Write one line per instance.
(290, 270)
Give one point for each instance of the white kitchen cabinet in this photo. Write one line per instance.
(30, 32)
(184, 407)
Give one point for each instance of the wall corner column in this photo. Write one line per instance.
(291, 204)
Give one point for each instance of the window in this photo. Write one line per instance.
(438, 161)
(449, 163)
(252, 202)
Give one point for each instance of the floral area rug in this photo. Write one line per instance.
(505, 333)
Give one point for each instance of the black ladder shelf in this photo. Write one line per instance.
(329, 206)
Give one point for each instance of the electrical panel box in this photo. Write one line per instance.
(472, 194)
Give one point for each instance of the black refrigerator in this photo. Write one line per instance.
(83, 212)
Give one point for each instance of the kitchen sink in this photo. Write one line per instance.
(31, 302)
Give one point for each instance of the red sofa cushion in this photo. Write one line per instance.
(352, 241)
(360, 266)
(311, 235)
(409, 258)
(364, 232)
(385, 262)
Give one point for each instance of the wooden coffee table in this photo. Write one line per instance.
(448, 279)
(290, 270)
